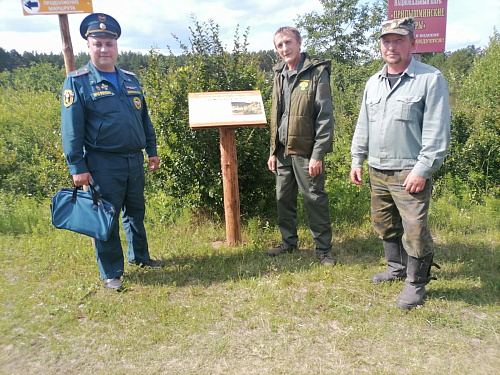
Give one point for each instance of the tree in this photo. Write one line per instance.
(37, 77)
(345, 32)
(191, 171)
(10, 60)
(266, 59)
(474, 155)
(458, 65)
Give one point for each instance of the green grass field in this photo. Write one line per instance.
(215, 309)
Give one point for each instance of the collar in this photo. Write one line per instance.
(96, 77)
(409, 71)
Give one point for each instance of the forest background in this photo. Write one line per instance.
(185, 197)
(32, 162)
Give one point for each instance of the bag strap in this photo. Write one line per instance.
(73, 197)
(96, 195)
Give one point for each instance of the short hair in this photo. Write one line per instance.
(290, 29)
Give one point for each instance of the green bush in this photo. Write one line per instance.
(191, 170)
(474, 155)
(31, 156)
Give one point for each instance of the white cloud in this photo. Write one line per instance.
(151, 23)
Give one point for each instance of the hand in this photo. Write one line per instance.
(315, 167)
(82, 179)
(414, 183)
(153, 163)
(356, 176)
(271, 163)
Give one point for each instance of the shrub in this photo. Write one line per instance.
(191, 170)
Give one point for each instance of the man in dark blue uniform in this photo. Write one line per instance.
(105, 128)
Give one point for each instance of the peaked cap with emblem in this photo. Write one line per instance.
(100, 24)
(401, 26)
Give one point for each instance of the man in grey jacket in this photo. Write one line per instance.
(301, 135)
(403, 130)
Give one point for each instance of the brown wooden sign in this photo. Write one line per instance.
(228, 110)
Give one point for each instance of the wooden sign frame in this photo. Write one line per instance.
(226, 109)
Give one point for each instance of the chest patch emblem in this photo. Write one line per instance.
(137, 102)
(304, 85)
(68, 98)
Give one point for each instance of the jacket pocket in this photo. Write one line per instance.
(407, 107)
(373, 105)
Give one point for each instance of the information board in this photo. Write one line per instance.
(226, 109)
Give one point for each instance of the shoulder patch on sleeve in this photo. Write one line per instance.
(127, 72)
(79, 72)
(68, 98)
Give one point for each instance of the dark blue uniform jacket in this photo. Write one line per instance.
(95, 116)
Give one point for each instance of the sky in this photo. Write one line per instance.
(150, 24)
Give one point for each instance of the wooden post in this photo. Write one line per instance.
(228, 110)
(229, 165)
(69, 57)
(67, 47)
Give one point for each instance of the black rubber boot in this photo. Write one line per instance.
(396, 257)
(418, 276)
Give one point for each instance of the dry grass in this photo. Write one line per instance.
(236, 311)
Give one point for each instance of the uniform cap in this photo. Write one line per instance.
(401, 26)
(100, 24)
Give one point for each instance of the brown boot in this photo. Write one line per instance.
(396, 258)
(419, 275)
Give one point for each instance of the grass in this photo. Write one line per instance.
(234, 310)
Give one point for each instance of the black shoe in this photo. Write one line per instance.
(114, 283)
(326, 259)
(149, 263)
(281, 249)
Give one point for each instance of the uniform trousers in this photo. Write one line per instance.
(396, 212)
(293, 174)
(121, 180)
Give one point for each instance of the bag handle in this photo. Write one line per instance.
(96, 195)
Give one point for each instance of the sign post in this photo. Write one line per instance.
(67, 46)
(61, 8)
(430, 22)
(226, 111)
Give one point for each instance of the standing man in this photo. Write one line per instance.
(301, 135)
(105, 127)
(403, 130)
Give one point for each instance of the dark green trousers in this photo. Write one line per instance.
(293, 174)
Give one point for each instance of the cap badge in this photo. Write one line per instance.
(101, 18)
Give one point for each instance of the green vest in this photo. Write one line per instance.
(302, 118)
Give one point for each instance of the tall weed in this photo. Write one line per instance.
(22, 215)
